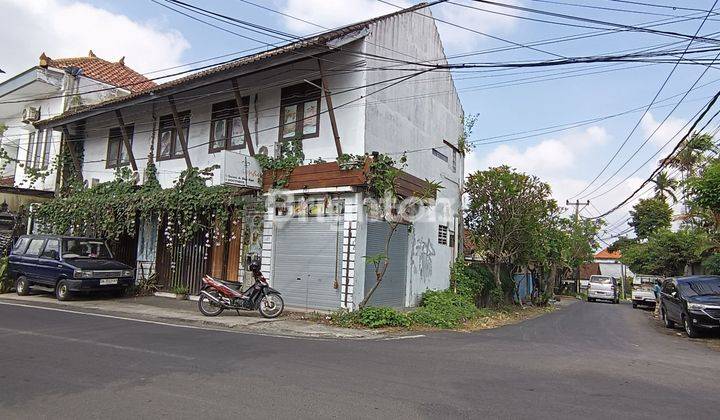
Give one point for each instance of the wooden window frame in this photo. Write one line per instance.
(299, 95)
(227, 111)
(115, 136)
(167, 124)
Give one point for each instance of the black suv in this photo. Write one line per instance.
(692, 301)
(66, 264)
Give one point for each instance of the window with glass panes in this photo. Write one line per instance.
(117, 154)
(169, 146)
(30, 150)
(46, 148)
(299, 111)
(226, 129)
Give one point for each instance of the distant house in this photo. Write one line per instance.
(610, 264)
(46, 90)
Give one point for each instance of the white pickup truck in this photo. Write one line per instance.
(642, 293)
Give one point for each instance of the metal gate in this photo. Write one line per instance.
(307, 254)
(391, 291)
(181, 265)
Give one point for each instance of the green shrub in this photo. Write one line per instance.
(6, 283)
(378, 317)
(443, 309)
(344, 318)
(371, 317)
(711, 264)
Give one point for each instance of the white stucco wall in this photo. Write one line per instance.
(91, 91)
(264, 91)
(413, 117)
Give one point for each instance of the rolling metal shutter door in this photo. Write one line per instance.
(391, 291)
(306, 258)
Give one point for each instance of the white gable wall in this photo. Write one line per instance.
(415, 116)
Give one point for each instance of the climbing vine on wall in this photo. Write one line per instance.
(112, 209)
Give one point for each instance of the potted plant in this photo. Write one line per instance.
(181, 292)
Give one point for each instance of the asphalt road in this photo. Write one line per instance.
(589, 360)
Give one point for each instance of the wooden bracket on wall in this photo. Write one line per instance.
(331, 110)
(244, 115)
(73, 152)
(126, 140)
(179, 131)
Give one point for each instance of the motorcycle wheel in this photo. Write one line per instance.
(208, 307)
(271, 306)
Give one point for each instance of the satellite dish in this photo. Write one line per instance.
(263, 151)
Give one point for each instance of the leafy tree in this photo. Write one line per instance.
(665, 186)
(711, 264)
(692, 154)
(620, 243)
(505, 213)
(649, 216)
(704, 191)
(665, 253)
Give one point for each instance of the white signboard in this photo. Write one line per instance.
(239, 170)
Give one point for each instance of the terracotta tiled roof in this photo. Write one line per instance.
(116, 74)
(607, 255)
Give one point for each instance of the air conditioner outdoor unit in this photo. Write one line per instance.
(30, 114)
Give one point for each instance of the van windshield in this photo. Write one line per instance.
(85, 248)
(601, 280)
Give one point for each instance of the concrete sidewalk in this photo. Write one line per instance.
(185, 312)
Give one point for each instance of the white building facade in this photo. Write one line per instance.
(348, 91)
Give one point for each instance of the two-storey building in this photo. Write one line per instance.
(377, 86)
(47, 90)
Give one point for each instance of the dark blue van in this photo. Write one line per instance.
(66, 264)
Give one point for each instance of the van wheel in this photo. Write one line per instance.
(634, 305)
(62, 291)
(22, 286)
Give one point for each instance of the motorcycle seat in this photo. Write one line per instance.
(231, 284)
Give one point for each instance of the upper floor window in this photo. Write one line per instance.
(442, 235)
(440, 155)
(226, 130)
(299, 111)
(169, 146)
(117, 154)
(38, 150)
(30, 150)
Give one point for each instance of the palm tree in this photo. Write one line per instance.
(664, 185)
(692, 154)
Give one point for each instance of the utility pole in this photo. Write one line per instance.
(577, 204)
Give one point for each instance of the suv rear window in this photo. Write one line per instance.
(34, 248)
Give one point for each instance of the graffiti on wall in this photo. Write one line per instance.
(421, 257)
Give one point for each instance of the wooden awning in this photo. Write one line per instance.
(329, 174)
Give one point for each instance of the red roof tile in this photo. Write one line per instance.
(116, 74)
(607, 255)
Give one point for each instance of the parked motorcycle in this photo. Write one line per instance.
(218, 295)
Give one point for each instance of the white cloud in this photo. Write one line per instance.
(555, 161)
(332, 14)
(665, 132)
(70, 29)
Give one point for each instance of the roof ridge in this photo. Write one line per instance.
(309, 41)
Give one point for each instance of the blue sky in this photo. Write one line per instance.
(152, 37)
